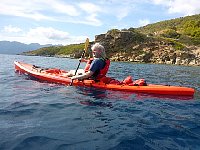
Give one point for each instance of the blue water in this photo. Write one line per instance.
(43, 116)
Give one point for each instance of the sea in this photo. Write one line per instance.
(45, 116)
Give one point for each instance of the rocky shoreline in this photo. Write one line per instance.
(178, 58)
(125, 46)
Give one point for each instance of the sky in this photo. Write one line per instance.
(68, 22)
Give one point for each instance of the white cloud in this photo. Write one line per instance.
(57, 10)
(93, 20)
(21, 8)
(61, 7)
(53, 36)
(119, 9)
(11, 29)
(52, 10)
(144, 22)
(47, 33)
(41, 35)
(90, 7)
(184, 7)
(89, 13)
(91, 16)
(163, 2)
(122, 12)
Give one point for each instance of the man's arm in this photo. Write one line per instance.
(83, 76)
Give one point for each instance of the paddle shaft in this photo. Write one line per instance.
(79, 62)
(78, 66)
(85, 49)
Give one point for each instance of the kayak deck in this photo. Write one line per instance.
(58, 76)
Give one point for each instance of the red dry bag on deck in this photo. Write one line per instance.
(128, 80)
(108, 80)
(139, 82)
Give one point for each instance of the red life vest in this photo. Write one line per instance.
(87, 66)
(102, 72)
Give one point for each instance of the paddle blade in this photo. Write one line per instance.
(86, 44)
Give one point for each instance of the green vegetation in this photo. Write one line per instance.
(113, 31)
(186, 29)
(170, 33)
(66, 50)
(57, 50)
(192, 28)
(45, 51)
(177, 45)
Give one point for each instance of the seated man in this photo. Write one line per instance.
(97, 67)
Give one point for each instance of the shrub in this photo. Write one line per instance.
(170, 33)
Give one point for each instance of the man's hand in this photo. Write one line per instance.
(73, 77)
(83, 60)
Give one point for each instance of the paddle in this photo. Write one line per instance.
(85, 50)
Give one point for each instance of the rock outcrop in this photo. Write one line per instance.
(132, 46)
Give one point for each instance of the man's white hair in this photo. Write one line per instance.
(99, 47)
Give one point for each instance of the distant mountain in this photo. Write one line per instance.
(7, 47)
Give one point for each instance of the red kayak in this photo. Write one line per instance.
(57, 76)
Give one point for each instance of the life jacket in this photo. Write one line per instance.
(104, 71)
(87, 66)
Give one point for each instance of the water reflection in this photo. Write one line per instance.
(92, 92)
(100, 97)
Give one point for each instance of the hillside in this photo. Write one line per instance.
(185, 29)
(60, 51)
(7, 47)
(174, 41)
